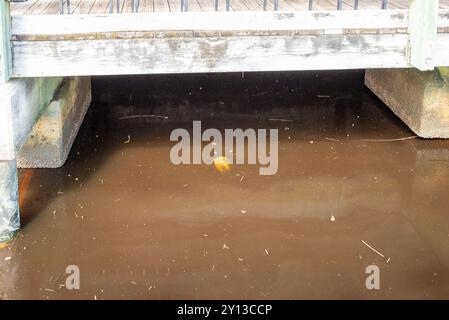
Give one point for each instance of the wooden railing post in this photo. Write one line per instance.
(9, 208)
(5, 41)
(422, 31)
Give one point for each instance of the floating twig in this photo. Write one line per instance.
(281, 120)
(390, 140)
(374, 250)
(143, 116)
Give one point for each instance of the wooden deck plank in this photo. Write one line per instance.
(252, 5)
(76, 6)
(33, 7)
(324, 5)
(207, 5)
(55, 7)
(238, 5)
(100, 7)
(127, 6)
(293, 5)
(399, 4)
(146, 6)
(84, 7)
(161, 6)
(193, 5)
(221, 5)
(28, 8)
(39, 7)
(174, 5)
(19, 8)
(143, 6)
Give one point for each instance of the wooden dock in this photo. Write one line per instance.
(161, 39)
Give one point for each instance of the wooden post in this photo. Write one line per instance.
(422, 29)
(5, 41)
(9, 205)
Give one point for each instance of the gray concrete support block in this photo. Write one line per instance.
(52, 136)
(21, 101)
(9, 205)
(420, 99)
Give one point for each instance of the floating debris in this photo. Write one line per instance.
(143, 116)
(281, 120)
(222, 164)
(389, 140)
(332, 139)
(374, 250)
(129, 139)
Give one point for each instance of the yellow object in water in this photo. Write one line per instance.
(222, 164)
(6, 244)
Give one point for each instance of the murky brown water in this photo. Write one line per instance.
(139, 227)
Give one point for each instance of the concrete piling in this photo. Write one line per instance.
(419, 98)
(52, 136)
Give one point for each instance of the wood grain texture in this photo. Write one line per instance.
(203, 54)
(209, 41)
(220, 21)
(5, 43)
(45, 7)
(423, 26)
(39, 7)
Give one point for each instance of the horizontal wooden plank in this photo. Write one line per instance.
(210, 21)
(443, 18)
(441, 50)
(204, 54)
(35, 7)
(188, 34)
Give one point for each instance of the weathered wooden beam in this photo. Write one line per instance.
(441, 50)
(423, 20)
(208, 54)
(209, 21)
(5, 41)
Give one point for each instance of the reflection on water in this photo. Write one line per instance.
(139, 227)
